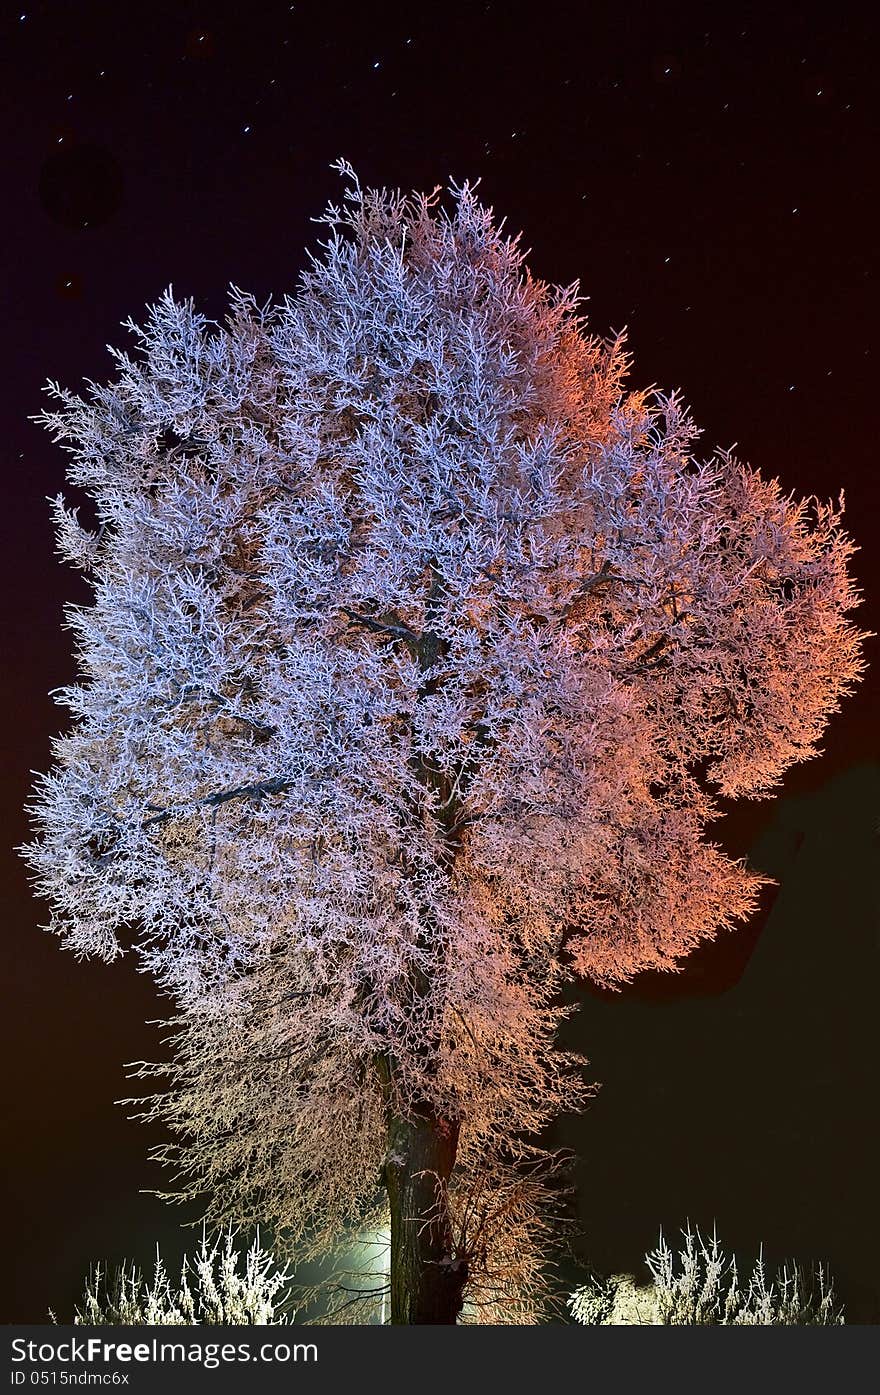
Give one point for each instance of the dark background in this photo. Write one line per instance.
(709, 172)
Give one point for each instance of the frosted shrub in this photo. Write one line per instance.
(213, 1290)
(701, 1286)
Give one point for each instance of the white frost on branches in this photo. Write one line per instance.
(701, 1287)
(214, 1289)
(420, 650)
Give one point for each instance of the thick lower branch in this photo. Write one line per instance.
(275, 784)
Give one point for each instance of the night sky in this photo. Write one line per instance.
(709, 172)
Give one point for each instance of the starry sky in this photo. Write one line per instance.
(709, 173)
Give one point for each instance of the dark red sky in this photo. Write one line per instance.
(710, 173)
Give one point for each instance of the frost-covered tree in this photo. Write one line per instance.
(420, 652)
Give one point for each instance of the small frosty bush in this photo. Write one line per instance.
(701, 1286)
(211, 1291)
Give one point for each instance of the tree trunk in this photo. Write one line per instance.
(426, 1279)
